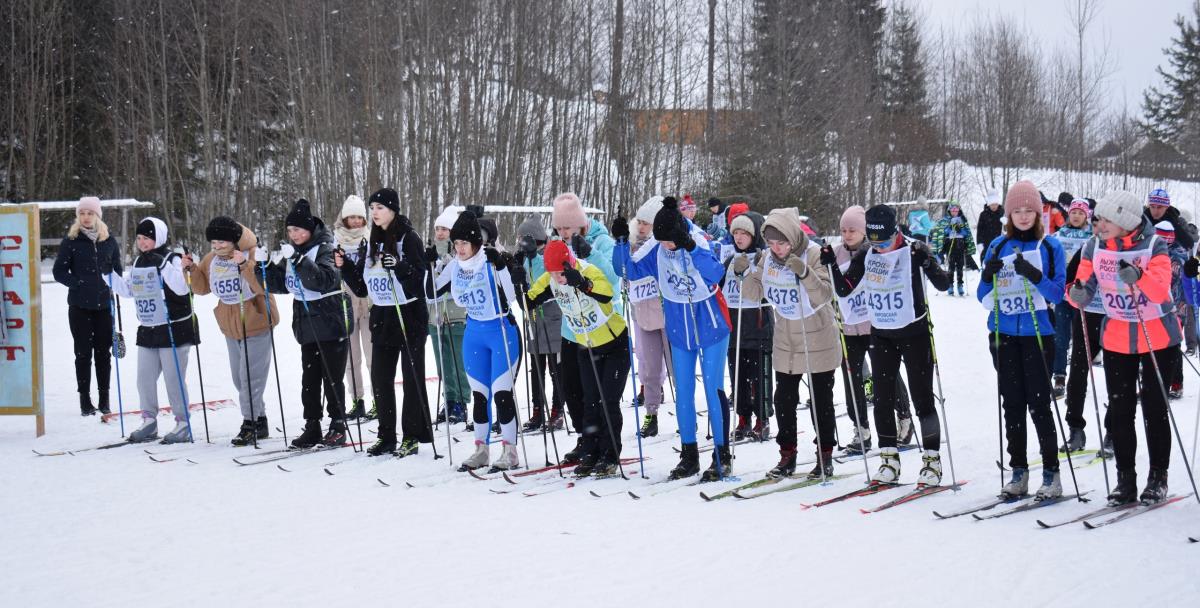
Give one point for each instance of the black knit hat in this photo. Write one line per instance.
(669, 222)
(716, 202)
(386, 197)
(301, 216)
(1064, 199)
(490, 231)
(881, 223)
(223, 228)
(466, 228)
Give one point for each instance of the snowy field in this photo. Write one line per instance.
(113, 528)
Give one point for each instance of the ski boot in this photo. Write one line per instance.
(496, 427)
(1018, 485)
(147, 432)
(1051, 486)
(904, 431)
(1106, 447)
(743, 428)
(931, 471)
(556, 420)
(1060, 385)
(1125, 491)
(889, 467)
(360, 411)
(787, 463)
(374, 413)
(85, 405)
(102, 404)
(182, 433)
(1175, 391)
(408, 447)
(606, 466)
(508, 459)
(478, 460)
(382, 446)
(640, 399)
(535, 421)
(336, 436)
(1190, 352)
(311, 436)
(960, 289)
(689, 462)
(245, 435)
(586, 465)
(1156, 487)
(824, 465)
(262, 428)
(861, 443)
(762, 429)
(458, 412)
(575, 456)
(950, 290)
(1076, 439)
(715, 472)
(649, 426)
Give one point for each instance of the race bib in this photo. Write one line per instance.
(854, 306)
(643, 289)
(472, 290)
(381, 288)
(888, 285)
(148, 296)
(1010, 287)
(678, 278)
(582, 314)
(296, 287)
(733, 285)
(225, 282)
(1071, 244)
(783, 291)
(1119, 301)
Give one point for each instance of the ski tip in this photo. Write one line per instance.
(327, 471)
(633, 496)
(508, 479)
(939, 515)
(1193, 539)
(1089, 525)
(739, 495)
(386, 484)
(1043, 524)
(976, 517)
(192, 461)
(865, 511)
(593, 493)
(805, 507)
(706, 497)
(280, 467)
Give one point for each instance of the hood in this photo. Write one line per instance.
(248, 241)
(787, 221)
(532, 227)
(757, 219)
(595, 230)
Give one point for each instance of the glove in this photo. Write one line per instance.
(828, 257)
(388, 261)
(684, 241)
(519, 276)
(581, 247)
(260, 254)
(362, 252)
(286, 251)
(431, 254)
(990, 269)
(1027, 270)
(740, 265)
(1191, 268)
(920, 254)
(1078, 295)
(619, 229)
(576, 279)
(796, 264)
(493, 257)
(1128, 273)
(507, 260)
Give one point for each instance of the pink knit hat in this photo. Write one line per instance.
(568, 212)
(1022, 195)
(90, 203)
(854, 218)
(1080, 204)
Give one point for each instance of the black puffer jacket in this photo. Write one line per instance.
(1183, 237)
(989, 227)
(328, 319)
(83, 265)
(757, 325)
(179, 308)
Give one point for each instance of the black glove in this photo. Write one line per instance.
(388, 261)
(576, 279)
(990, 269)
(920, 255)
(507, 260)
(297, 259)
(1191, 268)
(581, 247)
(431, 254)
(1027, 270)
(493, 257)
(526, 247)
(619, 229)
(519, 276)
(828, 257)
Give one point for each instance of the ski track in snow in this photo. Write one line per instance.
(112, 528)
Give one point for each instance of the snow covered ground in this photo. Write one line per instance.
(113, 528)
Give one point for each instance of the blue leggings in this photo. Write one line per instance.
(712, 368)
(490, 377)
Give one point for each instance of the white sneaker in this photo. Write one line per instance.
(508, 458)
(1051, 485)
(147, 432)
(889, 469)
(180, 434)
(931, 472)
(478, 460)
(1019, 484)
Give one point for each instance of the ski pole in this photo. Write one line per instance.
(199, 364)
(274, 356)
(508, 361)
(346, 316)
(938, 375)
(1049, 382)
(599, 386)
(412, 368)
(841, 321)
(737, 362)
(312, 328)
(812, 397)
(1087, 349)
(445, 386)
(187, 414)
(116, 312)
(999, 397)
(1163, 388)
(628, 307)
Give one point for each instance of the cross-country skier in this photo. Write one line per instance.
(350, 230)
(1072, 236)
(447, 324)
(749, 356)
(545, 330)
(951, 239)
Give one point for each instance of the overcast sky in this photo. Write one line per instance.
(1137, 31)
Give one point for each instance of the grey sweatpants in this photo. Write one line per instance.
(259, 349)
(652, 358)
(155, 362)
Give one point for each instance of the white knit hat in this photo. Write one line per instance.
(1121, 208)
(992, 197)
(448, 217)
(353, 207)
(649, 209)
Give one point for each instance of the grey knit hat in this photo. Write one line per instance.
(532, 227)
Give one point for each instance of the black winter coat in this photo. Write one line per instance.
(1183, 237)
(83, 266)
(328, 319)
(410, 274)
(989, 227)
(179, 308)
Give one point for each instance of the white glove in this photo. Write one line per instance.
(260, 254)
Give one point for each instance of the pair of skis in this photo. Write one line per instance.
(1022, 504)
(876, 487)
(1109, 515)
